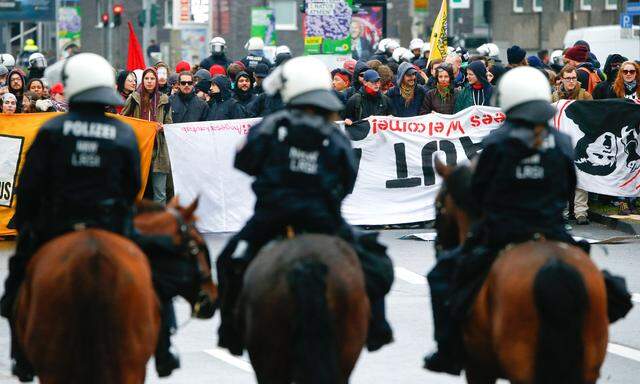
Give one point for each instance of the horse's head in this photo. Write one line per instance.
(177, 223)
(455, 209)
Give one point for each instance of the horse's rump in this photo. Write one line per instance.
(502, 334)
(270, 311)
(87, 311)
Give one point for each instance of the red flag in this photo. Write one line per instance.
(135, 57)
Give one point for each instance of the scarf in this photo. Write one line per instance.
(630, 87)
(444, 91)
(370, 91)
(407, 93)
(243, 95)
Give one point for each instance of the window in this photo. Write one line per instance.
(585, 5)
(610, 5)
(537, 5)
(518, 6)
(168, 14)
(566, 5)
(286, 13)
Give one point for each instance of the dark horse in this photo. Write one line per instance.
(87, 311)
(541, 315)
(304, 311)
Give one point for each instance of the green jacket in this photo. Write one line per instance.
(160, 162)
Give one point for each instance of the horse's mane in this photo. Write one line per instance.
(149, 206)
(459, 187)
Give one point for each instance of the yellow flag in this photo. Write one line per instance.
(439, 34)
(17, 133)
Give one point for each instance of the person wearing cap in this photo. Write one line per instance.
(186, 107)
(516, 57)
(303, 166)
(183, 66)
(61, 188)
(523, 180)
(578, 57)
(407, 96)
(368, 101)
(217, 70)
(202, 74)
(259, 74)
(478, 90)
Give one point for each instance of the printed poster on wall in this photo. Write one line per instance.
(263, 24)
(327, 25)
(367, 29)
(69, 26)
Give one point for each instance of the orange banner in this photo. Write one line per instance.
(17, 133)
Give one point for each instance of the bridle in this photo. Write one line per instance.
(189, 247)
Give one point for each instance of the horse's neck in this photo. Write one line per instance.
(464, 224)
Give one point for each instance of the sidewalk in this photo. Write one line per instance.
(608, 215)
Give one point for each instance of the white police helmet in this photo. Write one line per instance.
(7, 60)
(37, 60)
(303, 81)
(382, 45)
(524, 94)
(483, 50)
(407, 56)
(392, 45)
(398, 54)
(556, 57)
(426, 47)
(494, 51)
(416, 44)
(87, 78)
(254, 44)
(282, 49)
(217, 45)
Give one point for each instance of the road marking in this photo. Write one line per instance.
(228, 358)
(636, 297)
(626, 352)
(410, 277)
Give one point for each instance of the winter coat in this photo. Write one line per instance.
(212, 60)
(402, 109)
(20, 93)
(362, 105)
(132, 108)
(434, 103)
(602, 90)
(264, 105)
(223, 106)
(577, 94)
(187, 108)
(469, 96)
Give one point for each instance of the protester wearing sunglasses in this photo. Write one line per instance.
(185, 105)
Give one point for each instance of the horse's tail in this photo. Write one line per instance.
(561, 299)
(94, 324)
(314, 346)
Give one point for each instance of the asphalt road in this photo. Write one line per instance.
(409, 312)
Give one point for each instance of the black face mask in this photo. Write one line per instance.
(217, 97)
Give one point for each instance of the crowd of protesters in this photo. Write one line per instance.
(392, 81)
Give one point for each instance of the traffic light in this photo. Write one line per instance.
(105, 19)
(154, 15)
(117, 15)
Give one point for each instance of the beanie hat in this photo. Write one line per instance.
(172, 79)
(217, 70)
(204, 86)
(534, 61)
(183, 66)
(578, 53)
(57, 89)
(515, 55)
(203, 74)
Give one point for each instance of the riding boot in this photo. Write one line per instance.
(380, 333)
(447, 357)
(20, 366)
(230, 285)
(166, 359)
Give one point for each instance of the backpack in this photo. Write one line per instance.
(594, 79)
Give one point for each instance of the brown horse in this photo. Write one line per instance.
(87, 311)
(304, 311)
(541, 314)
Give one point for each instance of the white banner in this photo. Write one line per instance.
(10, 149)
(396, 181)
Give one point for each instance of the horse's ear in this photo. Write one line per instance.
(443, 170)
(174, 202)
(188, 212)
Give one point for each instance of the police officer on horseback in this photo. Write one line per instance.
(522, 183)
(303, 167)
(82, 171)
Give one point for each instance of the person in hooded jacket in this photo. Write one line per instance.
(441, 99)
(368, 101)
(611, 67)
(218, 56)
(147, 103)
(407, 96)
(259, 74)
(264, 104)
(243, 90)
(185, 105)
(125, 84)
(16, 83)
(222, 105)
(356, 80)
(478, 89)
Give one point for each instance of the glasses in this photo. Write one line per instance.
(629, 71)
(569, 78)
(186, 83)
